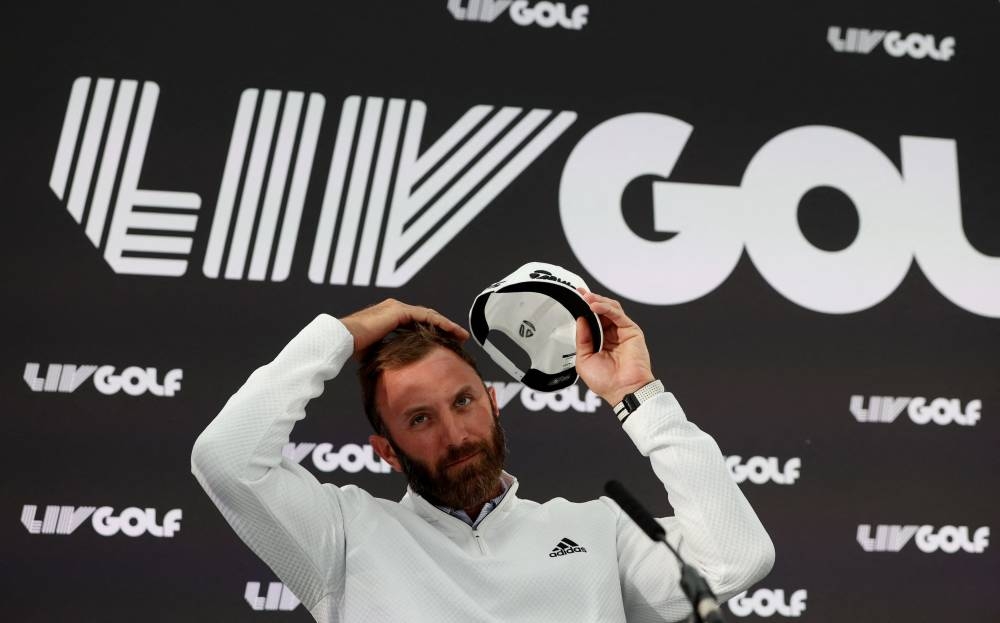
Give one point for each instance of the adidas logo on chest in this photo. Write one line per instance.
(566, 546)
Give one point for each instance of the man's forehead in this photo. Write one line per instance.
(436, 357)
(439, 372)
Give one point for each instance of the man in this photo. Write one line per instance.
(461, 546)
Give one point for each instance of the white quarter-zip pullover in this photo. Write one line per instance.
(350, 556)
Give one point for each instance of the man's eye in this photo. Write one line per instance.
(463, 401)
(418, 419)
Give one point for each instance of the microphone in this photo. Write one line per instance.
(616, 491)
(703, 601)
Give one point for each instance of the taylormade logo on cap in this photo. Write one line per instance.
(544, 274)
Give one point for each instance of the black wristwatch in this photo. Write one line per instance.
(631, 402)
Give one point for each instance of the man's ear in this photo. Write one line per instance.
(384, 449)
(493, 401)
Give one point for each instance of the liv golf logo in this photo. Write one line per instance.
(921, 411)
(915, 45)
(523, 13)
(132, 521)
(388, 208)
(947, 539)
(135, 381)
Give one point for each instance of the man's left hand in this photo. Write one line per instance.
(622, 366)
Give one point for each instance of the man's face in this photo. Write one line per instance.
(442, 430)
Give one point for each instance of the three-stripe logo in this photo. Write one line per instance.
(566, 546)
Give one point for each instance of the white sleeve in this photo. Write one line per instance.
(279, 509)
(718, 531)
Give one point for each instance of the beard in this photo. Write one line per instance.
(466, 487)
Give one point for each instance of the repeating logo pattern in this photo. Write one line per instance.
(383, 207)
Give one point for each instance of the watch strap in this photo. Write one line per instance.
(632, 401)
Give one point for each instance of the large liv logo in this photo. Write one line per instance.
(388, 208)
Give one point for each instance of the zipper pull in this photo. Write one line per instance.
(479, 542)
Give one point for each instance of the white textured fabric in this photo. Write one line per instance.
(352, 557)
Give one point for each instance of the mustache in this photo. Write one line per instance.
(456, 453)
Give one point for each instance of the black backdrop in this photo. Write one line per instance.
(768, 373)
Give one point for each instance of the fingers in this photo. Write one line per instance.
(607, 309)
(584, 339)
(436, 318)
(371, 324)
(405, 314)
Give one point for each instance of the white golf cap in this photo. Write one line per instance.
(536, 307)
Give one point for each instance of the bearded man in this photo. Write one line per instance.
(461, 546)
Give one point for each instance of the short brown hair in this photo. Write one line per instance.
(407, 344)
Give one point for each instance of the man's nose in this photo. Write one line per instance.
(453, 430)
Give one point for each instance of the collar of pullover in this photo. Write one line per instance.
(443, 515)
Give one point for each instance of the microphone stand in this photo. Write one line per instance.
(704, 604)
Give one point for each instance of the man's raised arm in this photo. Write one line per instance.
(279, 509)
(718, 531)
(276, 506)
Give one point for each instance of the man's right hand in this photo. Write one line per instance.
(373, 323)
